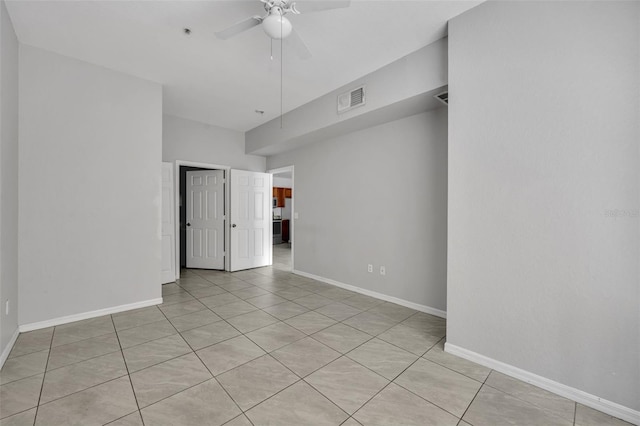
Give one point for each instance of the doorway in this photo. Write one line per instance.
(181, 169)
(201, 218)
(243, 201)
(283, 218)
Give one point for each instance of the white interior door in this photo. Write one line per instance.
(168, 226)
(250, 219)
(205, 219)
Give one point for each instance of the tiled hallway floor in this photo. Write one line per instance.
(263, 347)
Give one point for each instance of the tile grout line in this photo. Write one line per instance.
(474, 398)
(376, 336)
(332, 301)
(59, 346)
(270, 353)
(44, 376)
(301, 286)
(300, 379)
(239, 415)
(339, 322)
(205, 366)
(26, 353)
(267, 353)
(126, 415)
(25, 377)
(169, 396)
(423, 398)
(552, 414)
(276, 349)
(126, 366)
(321, 393)
(228, 323)
(449, 368)
(76, 392)
(345, 355)
(81, 390)
(292, 384)
(83, 360)
(390, 381)
(76, 362)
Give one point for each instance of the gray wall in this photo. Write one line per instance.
(8, 178)
(281, 182)
(543, 142)
(189, 140)
(376, 196)
(90, 185)
(391, 91)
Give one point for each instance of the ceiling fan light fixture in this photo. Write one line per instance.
(277, 26)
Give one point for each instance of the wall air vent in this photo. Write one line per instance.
(443, 97)
(350, 100)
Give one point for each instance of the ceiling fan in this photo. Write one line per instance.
(277, 26)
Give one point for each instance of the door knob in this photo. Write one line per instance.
(188, 224)
(233, 226)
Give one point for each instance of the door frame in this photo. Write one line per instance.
(166, 165)
(293, 207)
(176, 191)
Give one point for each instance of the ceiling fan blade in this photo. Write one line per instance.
(239, 27)
(295, 43)
(319, 6)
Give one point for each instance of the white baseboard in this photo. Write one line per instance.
(584, 398)
(86, 315)
(397, 301)
(7, 349)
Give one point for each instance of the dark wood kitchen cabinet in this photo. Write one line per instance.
(280, 194)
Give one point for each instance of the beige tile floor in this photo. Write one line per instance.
(264, 347)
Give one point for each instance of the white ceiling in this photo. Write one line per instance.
(224, 82)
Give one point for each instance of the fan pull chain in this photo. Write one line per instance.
(271, 48)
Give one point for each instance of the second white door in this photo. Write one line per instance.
(205, 219)
(250, 220)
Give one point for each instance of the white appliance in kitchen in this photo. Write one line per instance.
(277, 224)
(277, 231)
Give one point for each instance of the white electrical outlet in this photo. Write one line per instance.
(370, 268)
(383, 271)
(6, 308)
(295, 215)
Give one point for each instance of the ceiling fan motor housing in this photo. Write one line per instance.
(276, 25)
